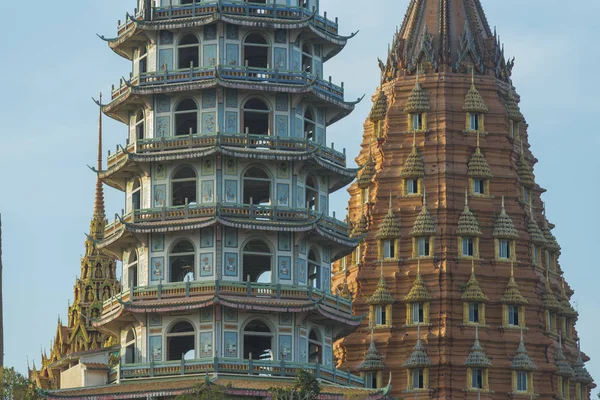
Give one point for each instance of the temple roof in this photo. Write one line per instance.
(512, 294)
(551, 242)
(537, 236)
(373, 360)
(512, 107)
(521, 361)
(418, 358)
(473, 292)
(548, 298)
(361, 227)
(467, 222)
(564, 368)
(423, 225)
(390, 227)
(525, 171)
(368, 173)
(477, 356)
(474, 102)
(380, 106)
(566, 308)
(504, 227)
(414, 165)
(478, 166)
(581, 373)
(418, 291)
(382, 294)
(417, 101)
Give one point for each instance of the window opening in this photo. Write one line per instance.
(257, 261)
(504, 249)
(474, 313)
(256, 50)
(314, 270)
(181, 342)
(136, 196)
(132, 270)
(513, 315)
(380, 316)
(477, 378)
(478, 186)
(412, 186)
(257, 118)
(143, 60)
(257, 187)
(307, 58)
(423, 246)
(140, 123)
(315, 348)
(417, 120)
(182, 262)
(474, 122)
(418, 314)
(371, 380)
(389, 249)
(521, 381)
(186, 118)
(468, 246)
(258, 341)
(312, 194)
(130, 351)
(418, 380)
(188, 52)
(309, 124)
(183, 187)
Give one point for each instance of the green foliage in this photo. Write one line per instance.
(205, 391)
(306, 387)
(16, 386)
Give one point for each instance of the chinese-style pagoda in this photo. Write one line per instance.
(226, 241)
(459, 271)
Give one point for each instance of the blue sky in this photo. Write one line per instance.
(53, 64)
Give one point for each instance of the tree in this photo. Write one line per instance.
(16, 386)
(306, 387)
(205, 391)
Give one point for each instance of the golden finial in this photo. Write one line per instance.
(414, 139)
(473, 75)
(503, 202)
(418, 267)
(424, 196)
(467, 197)
(381, 268)
(478, 140)
(390, 199)
(99, 210)
(512, 269)
(472, 267)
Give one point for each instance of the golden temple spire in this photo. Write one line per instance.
(99, 210)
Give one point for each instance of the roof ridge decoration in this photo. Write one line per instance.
(373, 360)
(418, 358)
(368, 173)
(581, 373)
(474, 103)
(504, 227)
(414, 165)
(382, 295)
(524, 170)
(512, 108)
(418, 291)
(478, 166)
(521, 361)
(380, 106)
(548, 298)
(512, 294)
(477, 356)
(467, 222)
(417, 101)
(390, 227)
(537, 236)
(564, 368)
(424, 225)
(473, 291)
(566, 308)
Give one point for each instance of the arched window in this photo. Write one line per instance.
(188, 52)
(256, 50)
(257, 261)
(186, 118)
(142, 60)
(132, 270)
(181, 342)
(136, 195)
(307, 58)
(140, 125)
(315, 348)
(183, 187)
(130, 350)
(182, 262)
(257, 117)
(258, 341)
(303, 4)
(309, 124)
(312, 193)
(314, 269)
(257, 187)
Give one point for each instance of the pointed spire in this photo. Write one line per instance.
(373, 360)
(521, 361)
(382, 295)
(524, 170)
(537, 236)
(551, 242)
(99, 211)
(581, 373)
(477, 356)
(418, 358)
(473, 292)
(564, 368)
(548, 298)
(368, 172)
(418, 101)
(512, 108)
(418, 291)
(504, 227)
(414, 165)
(390, 227)
(362, 227)
(512, 295)
(467, 222)
(473, 101)
(566, 308)
(380, 106)
(424, 225)
(478, 166)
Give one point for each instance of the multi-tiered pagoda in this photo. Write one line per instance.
(459, 270)
(225, 240)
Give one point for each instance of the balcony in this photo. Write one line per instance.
(234, 366)
(239, 9)
(232, 73)
(247, 212)
(227, 140)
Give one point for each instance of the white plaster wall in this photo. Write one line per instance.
(95, 378)
(72, 378)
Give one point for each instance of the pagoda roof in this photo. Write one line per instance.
(512, 294)
(130, 95)
(418, 291)
(521, 361)
(373, 360)
(135, 29)
(418, 358)
(390, 227)
(504, 227)
(380, 107)
(467, 222)
(473, 291)
(478, 166)
(477, 356)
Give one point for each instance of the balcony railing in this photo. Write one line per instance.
(241, 73)
(229, 140)
(238, 366)
(246, 211)
(183, 290)
(237, 8)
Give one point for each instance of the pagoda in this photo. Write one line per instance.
(225, 240)
(459, 271)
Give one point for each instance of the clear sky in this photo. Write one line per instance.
(52, 64)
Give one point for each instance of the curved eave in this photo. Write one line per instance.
(137, 30)
(131, 98)
(130, 163)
